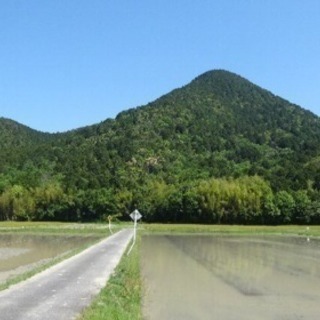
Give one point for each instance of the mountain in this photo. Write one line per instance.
(219, 126)
(17, 141)
(14, 134)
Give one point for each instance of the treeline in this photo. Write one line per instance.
(219, 150)
(243, 200)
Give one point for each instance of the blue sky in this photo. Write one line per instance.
(65, 64)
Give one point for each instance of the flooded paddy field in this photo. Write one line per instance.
(230, 277)
(21, 253)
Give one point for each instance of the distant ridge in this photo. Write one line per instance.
(219, 126)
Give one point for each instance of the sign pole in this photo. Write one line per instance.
(109, 218)
(135, 216)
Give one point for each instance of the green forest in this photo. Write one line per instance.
(218, 150)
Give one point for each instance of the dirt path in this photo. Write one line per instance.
(62, 291)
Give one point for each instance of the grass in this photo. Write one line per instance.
(232, 229)
(121, 298)
(56, 228)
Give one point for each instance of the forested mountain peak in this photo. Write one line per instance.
(228, 86)
(224, 88)
(218, 132)
(217, 75)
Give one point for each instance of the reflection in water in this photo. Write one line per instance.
(229, 277)
(19, 253)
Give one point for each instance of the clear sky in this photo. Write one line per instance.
(65, 64)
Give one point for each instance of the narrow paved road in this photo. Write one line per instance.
(62, 291)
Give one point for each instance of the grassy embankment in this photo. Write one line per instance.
(233, 229)
(121, 299)
(56, 228)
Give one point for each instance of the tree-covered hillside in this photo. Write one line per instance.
(17, 142)
(219, 149)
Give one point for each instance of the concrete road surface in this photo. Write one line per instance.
(62, 291)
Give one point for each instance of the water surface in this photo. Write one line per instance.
(229, 277)
(20, 253)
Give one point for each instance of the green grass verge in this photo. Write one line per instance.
(232, 229)
(56, 228)
(121, 298)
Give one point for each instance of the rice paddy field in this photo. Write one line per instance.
(269, 267)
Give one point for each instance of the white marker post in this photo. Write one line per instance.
(135, 216)
(109, 218)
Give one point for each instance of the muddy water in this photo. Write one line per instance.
(20, 253)
(231, 278)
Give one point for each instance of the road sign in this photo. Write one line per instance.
(135, 215)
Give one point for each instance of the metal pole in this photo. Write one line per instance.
(135, 216)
